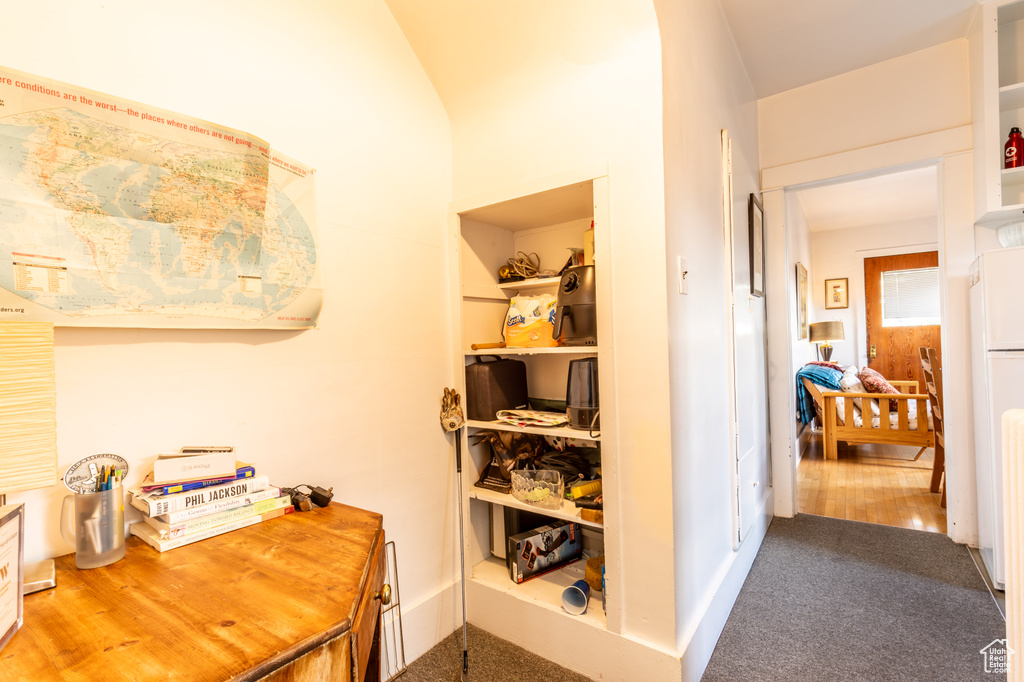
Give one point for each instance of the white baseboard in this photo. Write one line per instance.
(430, 619)
(702, 643)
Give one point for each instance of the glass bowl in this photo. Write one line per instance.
(542, 488)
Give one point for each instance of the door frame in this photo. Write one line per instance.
(950, 152)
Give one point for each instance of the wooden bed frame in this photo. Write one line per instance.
(825, 406)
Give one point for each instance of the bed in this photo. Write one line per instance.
(841, 417)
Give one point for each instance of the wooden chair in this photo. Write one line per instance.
(933, 382)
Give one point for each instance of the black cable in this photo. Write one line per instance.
(303, 501)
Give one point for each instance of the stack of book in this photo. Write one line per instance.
(228, 496)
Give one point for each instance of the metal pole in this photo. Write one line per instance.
(462, 555)
(452, 421)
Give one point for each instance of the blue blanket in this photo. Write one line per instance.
(818, 374)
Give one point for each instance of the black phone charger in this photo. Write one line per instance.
(305, 501)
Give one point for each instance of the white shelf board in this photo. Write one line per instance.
(564, 431)
(1011, 97)
(1004, 216)
(544, 590)
(535, 283)
(549, 350)
(483, 291)
(568, 511)
(1014, 175)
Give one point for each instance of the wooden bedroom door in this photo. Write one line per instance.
(893, 344)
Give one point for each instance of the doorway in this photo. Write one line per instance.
(867, 233)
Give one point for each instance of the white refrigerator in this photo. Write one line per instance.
(997, 357)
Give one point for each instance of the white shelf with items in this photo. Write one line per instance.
(503, 292)
(567, 512)
(563, 431)
(547, 217)
(548, 350)
(544, 591)
(531, 284)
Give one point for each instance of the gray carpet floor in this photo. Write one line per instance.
(828, 599)
(490, 660)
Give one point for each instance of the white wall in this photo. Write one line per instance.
(798, 240)
(798, 246)
(554, 112)
(706, 90)
(919, 93)
(840, 253)
(353, 404)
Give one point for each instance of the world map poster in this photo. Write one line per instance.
(115, 214)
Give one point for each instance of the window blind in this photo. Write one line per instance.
(910, 297)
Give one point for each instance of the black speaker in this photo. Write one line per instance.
(493, 386)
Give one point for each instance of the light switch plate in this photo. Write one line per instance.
(681, 274)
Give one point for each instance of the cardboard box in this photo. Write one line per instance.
(543, 549)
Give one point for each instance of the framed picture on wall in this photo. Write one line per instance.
(755, 214)
(837, 293)
(801, 301)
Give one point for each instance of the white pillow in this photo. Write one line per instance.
(852, 384)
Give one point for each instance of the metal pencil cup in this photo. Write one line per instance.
(94, 524)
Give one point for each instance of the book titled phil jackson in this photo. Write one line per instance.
(220, 505)
(154, 504)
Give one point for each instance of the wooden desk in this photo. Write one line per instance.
(294, 598)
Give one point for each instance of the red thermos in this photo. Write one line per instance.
(1013, 152)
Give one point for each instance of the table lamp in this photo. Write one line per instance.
(823, 333)
(28, 421)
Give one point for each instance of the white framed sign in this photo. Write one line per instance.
(12, 569)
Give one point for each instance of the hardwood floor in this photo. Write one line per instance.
(873, 483)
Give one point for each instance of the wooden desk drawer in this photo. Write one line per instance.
(365, 629)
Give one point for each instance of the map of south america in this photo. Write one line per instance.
(103, 224)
